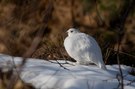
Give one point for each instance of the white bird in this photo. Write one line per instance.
(83, 48)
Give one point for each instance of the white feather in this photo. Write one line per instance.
(83, 48)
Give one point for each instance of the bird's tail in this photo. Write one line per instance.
(103, 67)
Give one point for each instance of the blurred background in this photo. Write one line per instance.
(108, 21)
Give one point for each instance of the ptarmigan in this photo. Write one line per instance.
(83, 48)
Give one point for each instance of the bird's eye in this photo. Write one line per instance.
(71, 31)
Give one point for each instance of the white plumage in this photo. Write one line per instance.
(83, 48)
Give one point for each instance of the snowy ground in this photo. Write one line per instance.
(46, 75)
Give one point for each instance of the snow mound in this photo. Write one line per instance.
(50, 75)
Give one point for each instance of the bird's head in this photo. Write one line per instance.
(72, 31)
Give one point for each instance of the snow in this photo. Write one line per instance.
(47, 75)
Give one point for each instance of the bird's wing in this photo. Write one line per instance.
(85, 43)
(96, 53)
(79, 46)
(95, 49)
(86, 48)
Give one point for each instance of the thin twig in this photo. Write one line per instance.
(107, 54)
(123, 53)
(121, 73)
(98, 14)
(133, 81)
(121, 28)
(62, 65)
